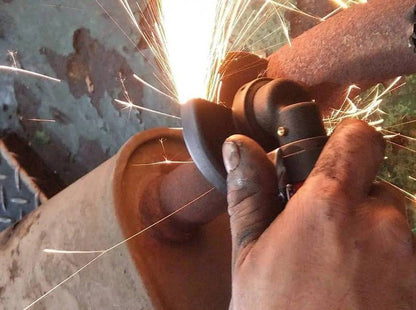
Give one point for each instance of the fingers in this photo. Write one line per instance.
(252, 190)
(349, 163)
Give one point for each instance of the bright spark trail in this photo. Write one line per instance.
(35, 74)
(190, 39)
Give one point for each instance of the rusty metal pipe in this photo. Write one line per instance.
(166, 193)
(95, 214)
(364, 45)
(184, 184)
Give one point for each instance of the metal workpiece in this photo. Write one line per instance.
(173, 280)
(184, 184)
(364, 45)
(172, 190)
(95, 214)
(80, 218)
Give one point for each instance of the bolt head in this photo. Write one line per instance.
(281, 131)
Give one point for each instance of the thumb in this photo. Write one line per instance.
(252, 191)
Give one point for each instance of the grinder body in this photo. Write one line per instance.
(277, 113)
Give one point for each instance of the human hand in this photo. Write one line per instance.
(342, 242)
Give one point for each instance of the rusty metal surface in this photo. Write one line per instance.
(19, 195)
(79, 43)
(192, 183)
(299, 23)
(176, 275)
(363, 45)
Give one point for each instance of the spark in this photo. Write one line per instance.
(402, 146)
(164, 162)
(126, 6)
(365, 107)
(285, 28)
(32, 73)
(153, 87)
(128, 105)
(342, 5)
(190, 39)
(407, 194)
(401, 124)
(53, 251)
(395, 134)
(195, 37)
(294, 9)
(40, 120)
(116, 246)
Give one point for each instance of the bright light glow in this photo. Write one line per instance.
(341, 3)
(191, 39)
(188, 27)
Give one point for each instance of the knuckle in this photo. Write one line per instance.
(328, 209)
(366, 138)
(360, 129)
(393, 229)
(332, 212)
(329, 203)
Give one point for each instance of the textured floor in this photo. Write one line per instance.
(77, 42)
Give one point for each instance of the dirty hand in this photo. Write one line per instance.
(342, 242)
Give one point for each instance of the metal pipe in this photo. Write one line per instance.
(88, 221)
(169, 192)
(192, 184)
(364, 45)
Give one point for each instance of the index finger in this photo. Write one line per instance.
(349, 163)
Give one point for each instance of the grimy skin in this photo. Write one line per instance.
(342, 242)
